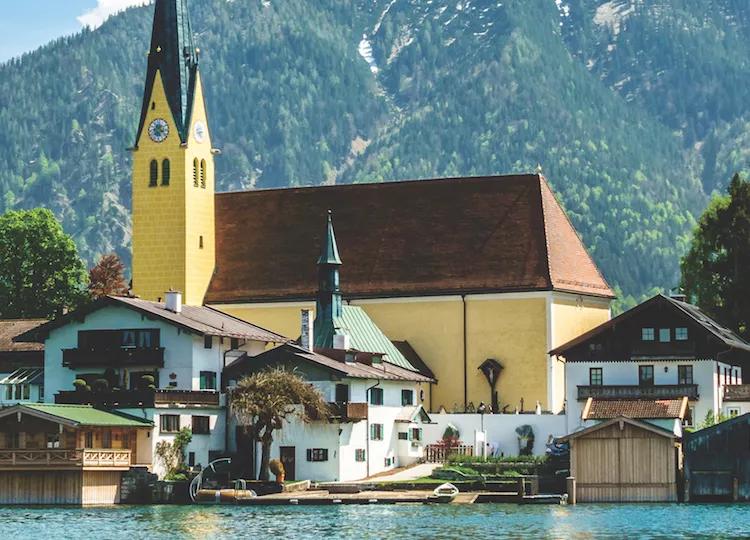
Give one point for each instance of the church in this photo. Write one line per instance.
(476, 278)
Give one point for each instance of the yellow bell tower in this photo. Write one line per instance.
(173, 168)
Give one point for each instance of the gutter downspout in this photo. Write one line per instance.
(367, 435)
(466, 363)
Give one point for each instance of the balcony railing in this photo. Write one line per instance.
(348, 412)
(124, 357)
(140, 399)
(64, 459)
(660, 391)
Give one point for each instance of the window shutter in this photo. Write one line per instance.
(309, 454)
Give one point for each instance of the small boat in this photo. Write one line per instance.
(443, 494)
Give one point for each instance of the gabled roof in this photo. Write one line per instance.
(601, 409)
(355, 370)
(415, 238)
(721, 333)
(173, 55)
(200, 320)
(10, 329)
(77, 415)
(414, 359)
(622, 420)
(409, 415)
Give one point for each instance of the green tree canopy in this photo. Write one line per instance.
(716, 270)
(41, 274)
(265, 400)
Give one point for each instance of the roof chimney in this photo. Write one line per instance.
(173, 301)
(341, 342)
(308, 339)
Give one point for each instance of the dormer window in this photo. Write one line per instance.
(377, 359)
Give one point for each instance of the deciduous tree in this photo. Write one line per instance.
(108, 278)
(265, 400)
(41, 274)
(716, 270)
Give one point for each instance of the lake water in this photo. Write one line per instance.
(388, 522)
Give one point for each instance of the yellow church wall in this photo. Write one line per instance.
(165, 243)
(572, 315)
(158, 212)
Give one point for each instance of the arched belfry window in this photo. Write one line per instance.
(154, 174)
(195, 173)
(203, 174)
(166, 172)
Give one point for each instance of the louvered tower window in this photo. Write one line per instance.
(166, 172)
(154, 174)
(203, 174)
(195, 173)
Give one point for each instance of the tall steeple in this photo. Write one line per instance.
(329, 303)
(174, 56)
(173, 167)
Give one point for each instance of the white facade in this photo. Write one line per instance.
(709, 375)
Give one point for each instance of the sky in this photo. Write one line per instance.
(28, 24)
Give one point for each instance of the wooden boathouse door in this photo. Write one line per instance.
(288, 459)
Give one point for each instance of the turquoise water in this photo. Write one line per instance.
(387, 522)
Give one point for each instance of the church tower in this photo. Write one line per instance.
(173, 167)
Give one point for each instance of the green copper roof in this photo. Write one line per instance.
(330, 253)
(173, 54)
(85, 415)
(364, 335)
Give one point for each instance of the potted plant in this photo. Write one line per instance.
(80, 385)
(277, 468)
(148, 381)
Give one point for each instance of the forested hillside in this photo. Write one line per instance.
(633, 109)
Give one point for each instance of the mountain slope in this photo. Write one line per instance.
(632, 108)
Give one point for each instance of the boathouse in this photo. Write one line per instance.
(717, 462)
(624, 460)
(65, 454)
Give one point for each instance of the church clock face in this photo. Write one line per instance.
(158, 130)
(199, 132)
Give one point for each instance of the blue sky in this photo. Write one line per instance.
(28, 24)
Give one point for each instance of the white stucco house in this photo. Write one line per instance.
(661, 351)
(161, 362)
(21, 364)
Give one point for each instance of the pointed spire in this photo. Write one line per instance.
(174, 55)
(330, 252)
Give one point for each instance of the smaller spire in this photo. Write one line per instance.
(330, 253)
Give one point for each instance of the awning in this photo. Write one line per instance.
(25, 376)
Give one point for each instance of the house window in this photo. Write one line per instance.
(317, 454)
(684, 374)
(388, 461)
(733, 412)
(191, 459)
(376, 396)
(208, 380)
(195, 173)
(407, 397)
(665, 335)
(201, 425)
(416, 434)
(680, 334)
(208, 342)
(9, 392)
(596, 376)
(403, 436)
(107, 438)
(646, 375)
(169, 423)
(153, 174)
(376, 432)
(89, 440)
(203, 174)
(647, 334)
(342, 393)
(689, 417)
(359, 455)
(166, 172)
(234, 344)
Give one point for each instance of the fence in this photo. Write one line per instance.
(438, 453)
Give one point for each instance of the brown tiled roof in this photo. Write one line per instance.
(601, 409)
(199, 319)
(737, 392)
(9, 329)
(447, 236)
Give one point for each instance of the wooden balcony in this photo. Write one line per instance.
(140, 399)
(660, 391)
(115, 358)
(348, 412)
(57, 460)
